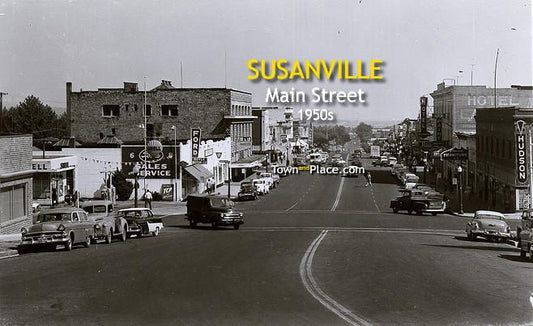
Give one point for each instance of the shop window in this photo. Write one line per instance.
(12, 202)
(169, 110)
(110, 111)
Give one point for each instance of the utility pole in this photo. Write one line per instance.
(1, 111)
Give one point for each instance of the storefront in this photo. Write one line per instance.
(53, 179)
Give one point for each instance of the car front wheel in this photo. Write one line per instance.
(68, 244)
(395, 209)
(156, 232)
(236, 226)
(109, 237)
(87, 242)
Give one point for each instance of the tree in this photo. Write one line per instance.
(364, 132)
(34, 117)
(122, 186)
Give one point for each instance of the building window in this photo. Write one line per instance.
(12, 202)
(127, 107)
(148, 110)
(135, 107)
(110, 111)
(169, 110)
(113, 131)
(101, 135)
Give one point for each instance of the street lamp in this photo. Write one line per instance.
(229, 176)
(135, 172)
(459, 171)
(175, 161)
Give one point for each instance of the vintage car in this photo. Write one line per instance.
(247, 191)
(107, 225)
(419, 201)
(488, 224)
(212, 209)
(410, 180)
(140, 221)
(262, 186)
(525, 234)
(65, 226)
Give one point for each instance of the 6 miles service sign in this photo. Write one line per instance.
(158, 165)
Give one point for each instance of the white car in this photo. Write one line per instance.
(410, 180)
(488, 224)
(261, 185)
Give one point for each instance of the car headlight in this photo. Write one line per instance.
(475, 225)
(61, 227)
(240, 214)
(23, 230)
(507, 229)
(221, 214)
(97, 226)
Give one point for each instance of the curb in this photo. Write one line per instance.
(8, 253)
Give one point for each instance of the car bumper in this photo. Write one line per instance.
(43, 239)
(489, 233)
(230, 220)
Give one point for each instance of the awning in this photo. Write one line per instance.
(199, 172)
(249, 162)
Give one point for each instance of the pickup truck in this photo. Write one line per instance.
(525, 234)
(419, 201)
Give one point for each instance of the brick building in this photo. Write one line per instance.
(118, 112)
(16, 183)
(455, 106)
(496, 157)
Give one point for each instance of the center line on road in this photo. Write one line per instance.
(338, 198)
(312, 286)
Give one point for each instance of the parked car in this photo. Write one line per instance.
(65, 226)
(419, 201)
(392, 160)
(274, 177)
(262, 185)
(488, 224)
(410, 180)
(247, 191)
(213, 209)
(141, 221)
(525, 234)
(107, 225)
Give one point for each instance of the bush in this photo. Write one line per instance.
(122, 186)
(157, 196)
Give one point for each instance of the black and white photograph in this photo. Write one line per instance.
(277, 162)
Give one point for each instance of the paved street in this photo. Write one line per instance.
(318, 250)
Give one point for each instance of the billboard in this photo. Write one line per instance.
(157, 165)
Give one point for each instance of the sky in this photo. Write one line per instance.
(102, 43)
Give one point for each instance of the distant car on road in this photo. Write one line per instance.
(419, 201)
(141, 221)
(489, 225)
(65, 226)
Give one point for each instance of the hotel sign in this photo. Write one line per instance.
(521, 159)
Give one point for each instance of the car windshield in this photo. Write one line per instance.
(488, 215)
(137, 214)
(221, 202)
(55, 217)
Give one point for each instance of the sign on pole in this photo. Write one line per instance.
(521, 160)
(455, 154)
(195, 140)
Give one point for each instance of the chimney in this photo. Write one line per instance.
(69, 109)
(130, 87)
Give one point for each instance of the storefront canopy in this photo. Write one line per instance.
(249, 162)
(199, 172)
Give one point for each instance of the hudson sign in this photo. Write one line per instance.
(521, 160)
